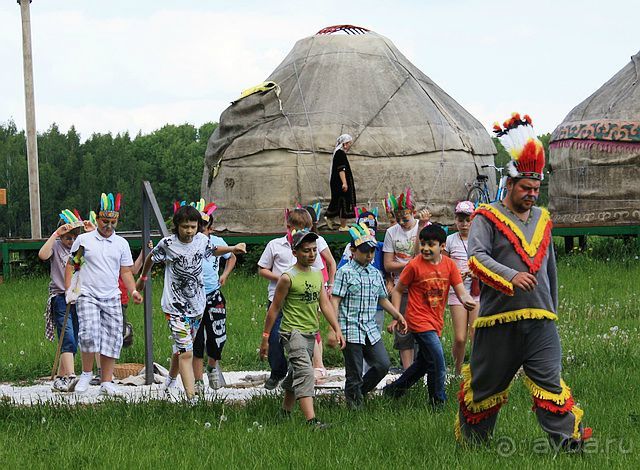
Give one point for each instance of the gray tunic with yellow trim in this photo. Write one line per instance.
(494, 258)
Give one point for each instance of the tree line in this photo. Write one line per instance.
(73, 174)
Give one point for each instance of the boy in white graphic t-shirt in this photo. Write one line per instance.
(183, 297)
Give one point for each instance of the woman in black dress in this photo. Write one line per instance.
(343, 191)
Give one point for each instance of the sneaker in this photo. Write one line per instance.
(271, 383)
(109, 389)
(82, 385)
(318, 425)
(199, 387)
(95, 380)
(214, 379)
(73, 380)
(171, 390)
(329, 222)
(61, 384)
(392, 392)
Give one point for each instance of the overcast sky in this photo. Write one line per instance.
(123, 65)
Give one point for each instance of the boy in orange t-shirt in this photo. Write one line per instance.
(427, 278)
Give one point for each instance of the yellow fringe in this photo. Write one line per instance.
(578, 413)
(539, 392)
(514, 315)
(472, 405)
(456, 428)
(538, 234)
(481, 271)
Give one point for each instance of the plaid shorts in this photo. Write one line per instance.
(183, 331)
(100, 325)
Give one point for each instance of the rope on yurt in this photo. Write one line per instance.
(636, 62)
(384, 176)
(394, 61)
(313, 146)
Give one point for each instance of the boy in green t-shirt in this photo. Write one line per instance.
(298, 293)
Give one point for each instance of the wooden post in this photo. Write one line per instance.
(29, 102)
(149, 208)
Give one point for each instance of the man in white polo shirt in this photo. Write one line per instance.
(106, 256)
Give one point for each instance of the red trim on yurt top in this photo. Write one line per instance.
(347, 28)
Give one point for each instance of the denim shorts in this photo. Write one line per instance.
(70, 340)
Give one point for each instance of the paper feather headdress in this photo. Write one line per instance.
(110, 206)
(201, 206)
(402, 202)
(361, 234)
(71, 217)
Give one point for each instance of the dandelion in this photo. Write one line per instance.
(223, 418)
(43, 420)
(256, 424)
(11, 364)
(207, 425)
(613, 329)
(249, 429)
(22, 353)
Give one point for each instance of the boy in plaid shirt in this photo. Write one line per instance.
(358, 289)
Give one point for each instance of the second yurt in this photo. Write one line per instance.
(595, 156)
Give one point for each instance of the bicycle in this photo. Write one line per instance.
(479, 189)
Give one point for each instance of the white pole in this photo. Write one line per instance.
(29, 102)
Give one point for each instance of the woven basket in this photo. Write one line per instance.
(122, 371)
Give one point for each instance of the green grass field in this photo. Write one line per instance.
(599, 312)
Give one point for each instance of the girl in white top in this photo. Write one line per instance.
(456, 249)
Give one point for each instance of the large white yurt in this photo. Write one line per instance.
(595, 156)
(273, 146)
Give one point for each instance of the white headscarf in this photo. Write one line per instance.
(340, 141)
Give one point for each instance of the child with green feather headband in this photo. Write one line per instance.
(359, 289)
(56, 250)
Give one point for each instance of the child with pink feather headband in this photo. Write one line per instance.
(400, 246)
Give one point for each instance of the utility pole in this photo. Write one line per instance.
(29, 102)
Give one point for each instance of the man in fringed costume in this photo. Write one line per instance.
(511, 251)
